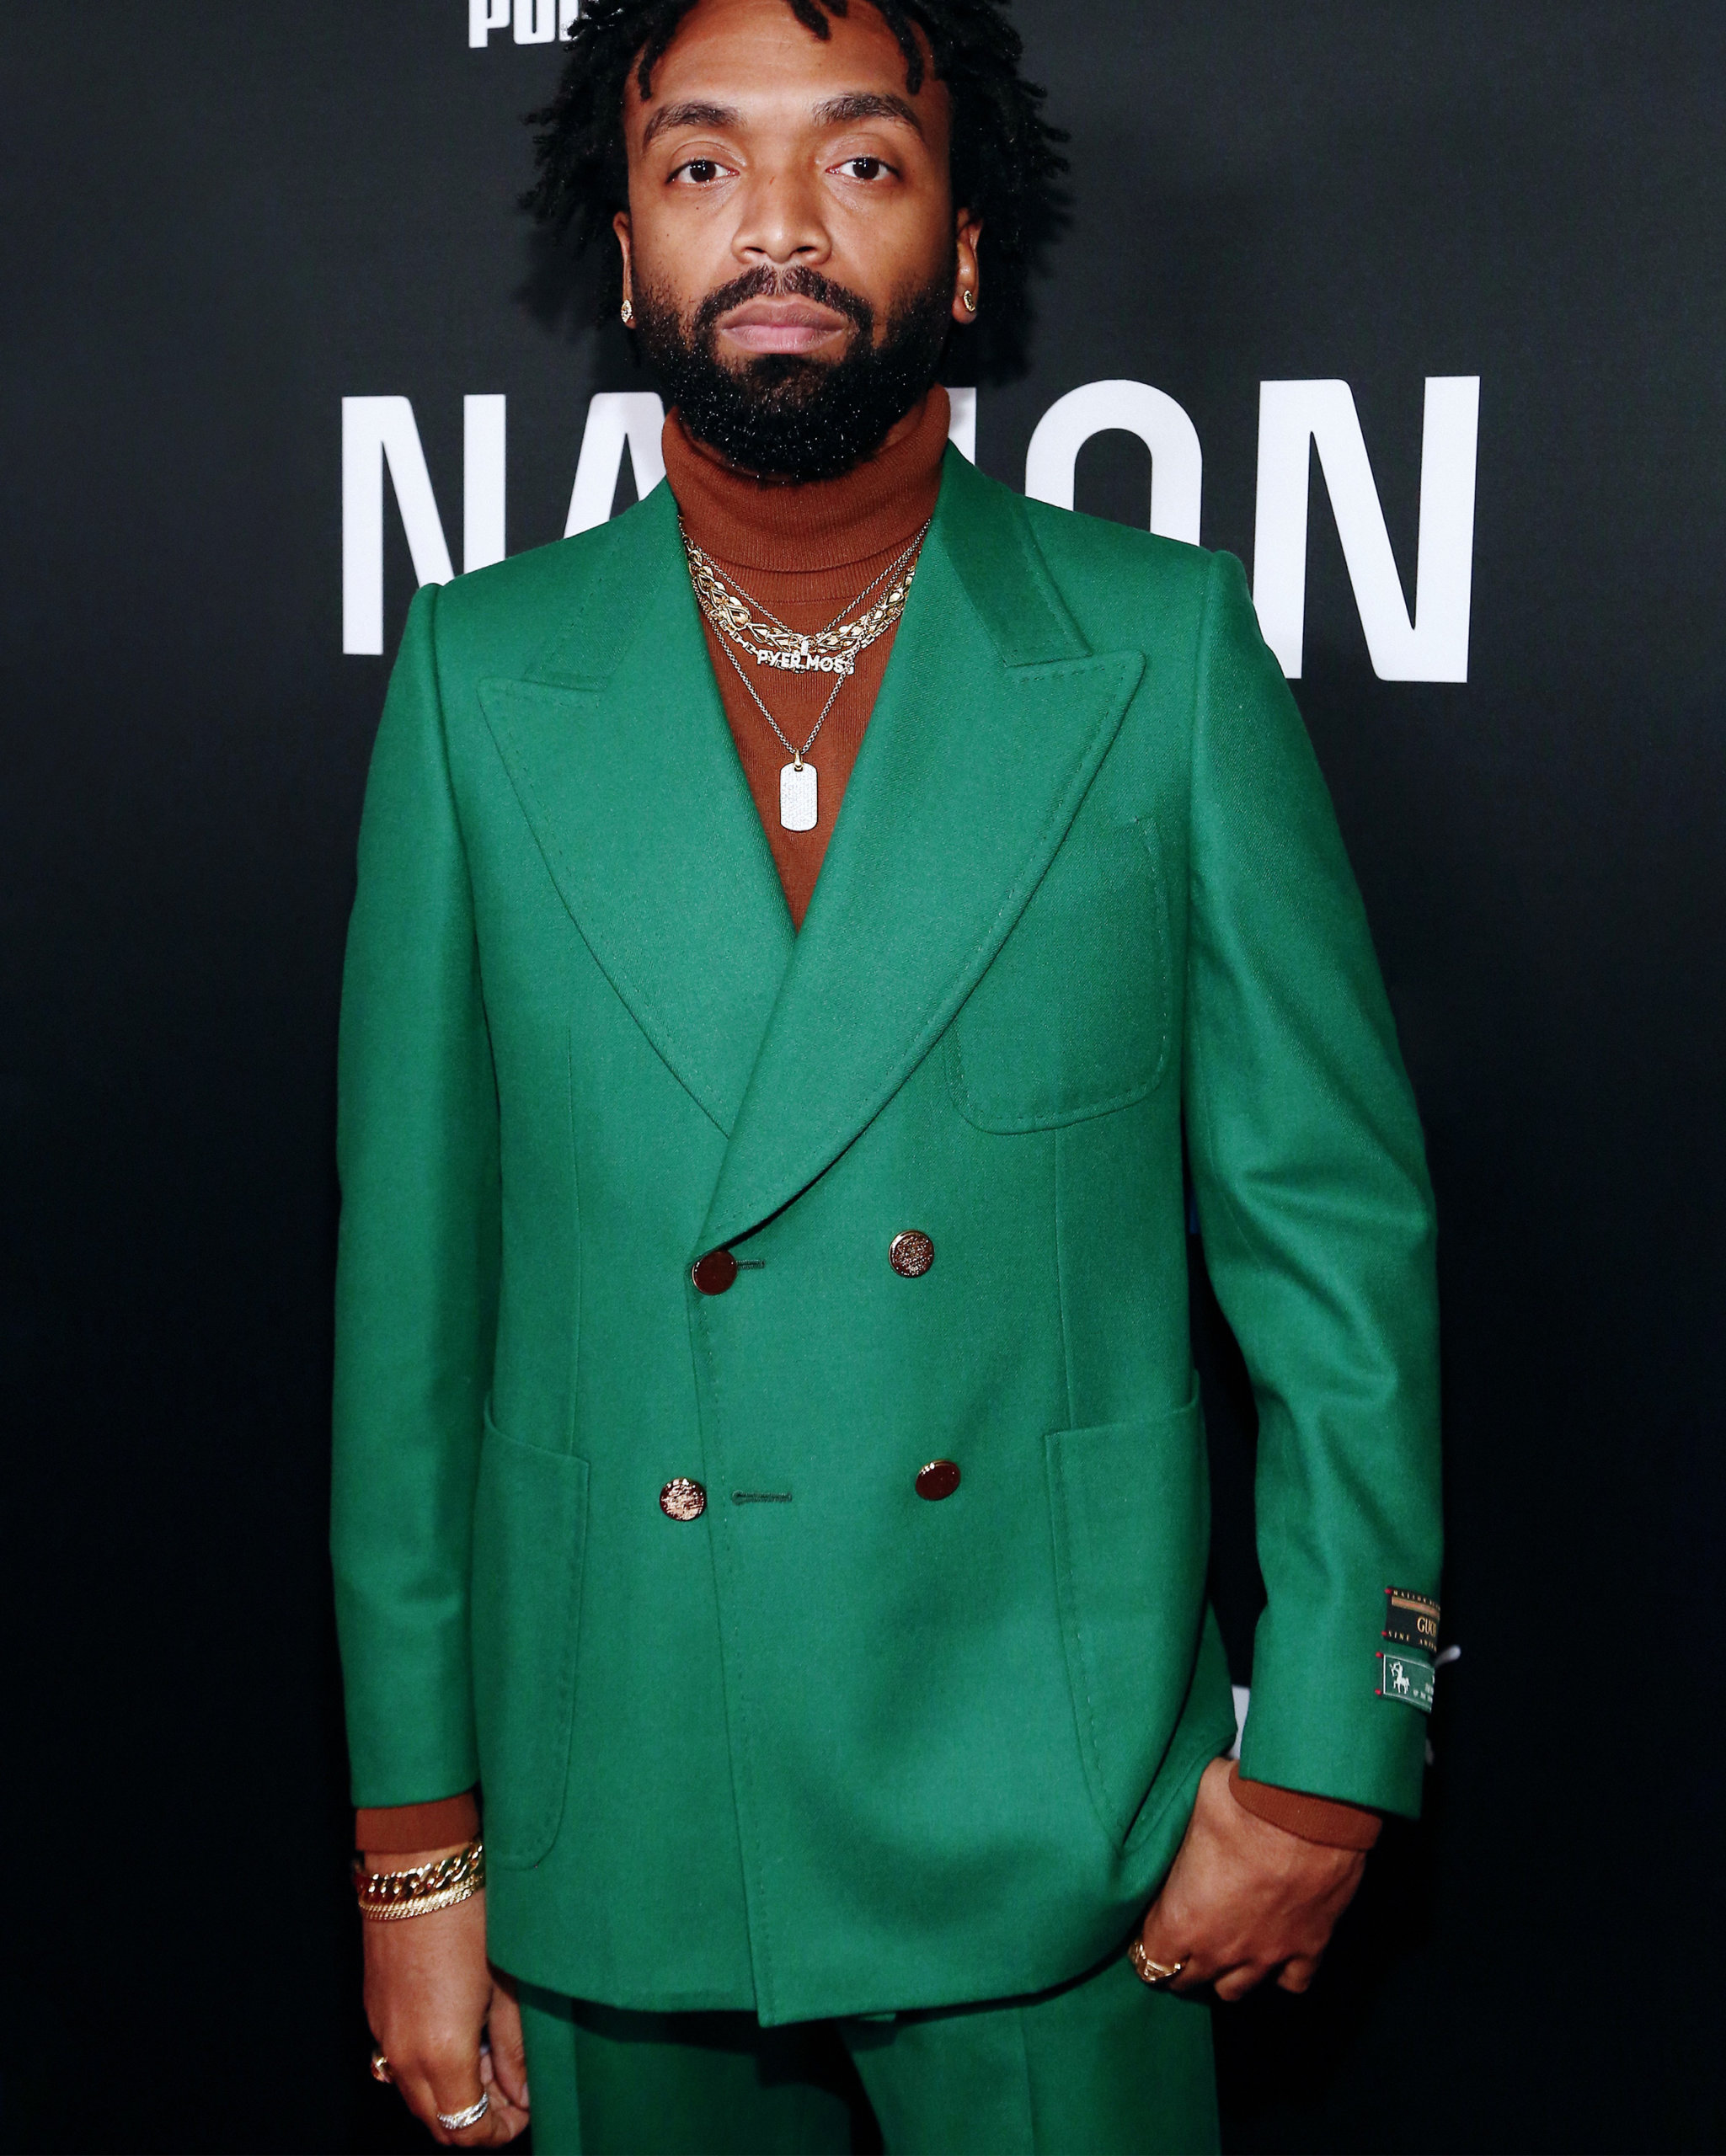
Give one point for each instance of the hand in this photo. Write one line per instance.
(430, 1995)
(1244, 1898)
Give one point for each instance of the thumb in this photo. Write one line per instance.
(509, 2049)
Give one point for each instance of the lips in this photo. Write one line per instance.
(781, 325)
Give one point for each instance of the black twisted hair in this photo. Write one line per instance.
(1006, 167)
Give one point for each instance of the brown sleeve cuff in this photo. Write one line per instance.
(391, 1829)
(1325, 1819)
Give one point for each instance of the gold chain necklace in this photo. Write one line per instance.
(773, 643)
(832, 650)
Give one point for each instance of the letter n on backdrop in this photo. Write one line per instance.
(380, 432)
(1432, 643)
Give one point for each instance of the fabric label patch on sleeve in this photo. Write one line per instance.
(1407, 1678)
(1410, 1620)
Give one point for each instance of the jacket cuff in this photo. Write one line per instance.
(1324, 1819)
(391, 1829)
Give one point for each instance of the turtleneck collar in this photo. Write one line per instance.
(815, 526)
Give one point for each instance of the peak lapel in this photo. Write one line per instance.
(989, 727)
(620, 756)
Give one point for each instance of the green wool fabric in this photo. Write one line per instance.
(1101, 2064)
(854, 1752)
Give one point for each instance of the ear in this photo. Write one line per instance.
(967, 279)
(620, 226)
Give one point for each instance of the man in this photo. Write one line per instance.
(768, 1458)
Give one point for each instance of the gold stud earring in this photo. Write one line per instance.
(970, 300)
(628, 315)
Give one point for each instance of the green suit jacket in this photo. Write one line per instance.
(852, 1751)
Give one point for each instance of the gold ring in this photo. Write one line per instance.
(1154, 1973)
(380, 2066)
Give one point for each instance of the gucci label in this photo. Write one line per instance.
(1410, 1620)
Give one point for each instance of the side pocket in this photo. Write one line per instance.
(1130, 1504)
(530, 1534)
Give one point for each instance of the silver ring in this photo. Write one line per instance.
(459, 2121)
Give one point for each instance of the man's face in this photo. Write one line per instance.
(791, 248)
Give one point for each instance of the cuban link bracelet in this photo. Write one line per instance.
(388, 1897)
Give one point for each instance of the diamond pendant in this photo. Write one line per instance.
(797, 797)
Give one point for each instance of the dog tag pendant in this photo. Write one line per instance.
(797, 797)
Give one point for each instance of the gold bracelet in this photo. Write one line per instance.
(387, 1896)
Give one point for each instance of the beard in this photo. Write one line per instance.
(782, 416)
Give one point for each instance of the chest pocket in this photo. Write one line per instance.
(1072, 1018)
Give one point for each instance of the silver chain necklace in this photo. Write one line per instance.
(832, 649)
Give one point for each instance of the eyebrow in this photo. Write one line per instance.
(836, 112)
(866, 105)
(696, 113)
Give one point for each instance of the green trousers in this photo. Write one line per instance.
(1103, 2067)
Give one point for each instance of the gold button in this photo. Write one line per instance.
(910, 1253)
(682, 1499)
(939, 1479)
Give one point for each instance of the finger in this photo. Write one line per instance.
(1185, 1971)
(501, 2124)
(425, 2097)
(455, 2086)
(509, 2051)
(502, 2120)
(1236, 1983)
(1180, 1943)
(416, 2091)
(1166, 1935)
(1298, 1972)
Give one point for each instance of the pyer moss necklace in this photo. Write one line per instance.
(832, 650)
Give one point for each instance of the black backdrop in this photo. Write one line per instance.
(218, 222)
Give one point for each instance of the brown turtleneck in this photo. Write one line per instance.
(806, 551)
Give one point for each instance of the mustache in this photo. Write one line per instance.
(767, 283)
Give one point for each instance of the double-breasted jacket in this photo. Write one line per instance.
(1085, 932)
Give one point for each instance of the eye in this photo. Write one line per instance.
(700, 171)
(864, 168)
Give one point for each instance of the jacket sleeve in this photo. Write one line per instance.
(1318, 1224)
(417, 1267)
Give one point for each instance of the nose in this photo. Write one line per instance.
(780, 224)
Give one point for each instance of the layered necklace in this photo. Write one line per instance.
(739, 621)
